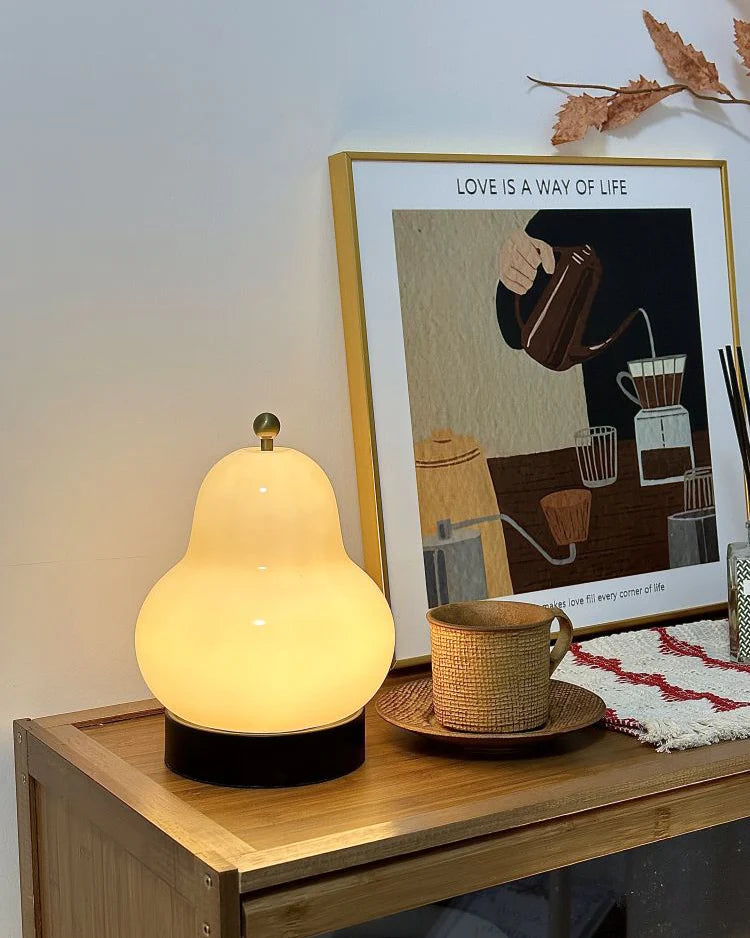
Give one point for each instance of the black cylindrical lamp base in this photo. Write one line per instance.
(240, 760)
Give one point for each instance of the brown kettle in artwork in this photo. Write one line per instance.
(553, 333)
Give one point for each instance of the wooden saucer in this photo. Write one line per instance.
(408, 705)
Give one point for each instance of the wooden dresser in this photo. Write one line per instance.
(113, 844)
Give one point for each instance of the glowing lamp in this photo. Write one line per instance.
(265, 642)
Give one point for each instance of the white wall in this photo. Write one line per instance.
(168, 265)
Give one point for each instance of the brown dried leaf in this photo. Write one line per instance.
(623, 108)
(574, 118)
(742, 41)
(683, 62)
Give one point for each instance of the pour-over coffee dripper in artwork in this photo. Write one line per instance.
(657, 381)
(663, 435)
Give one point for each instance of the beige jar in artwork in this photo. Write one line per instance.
(453, 482)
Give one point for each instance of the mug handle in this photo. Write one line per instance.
(564, 639)
(621, 375)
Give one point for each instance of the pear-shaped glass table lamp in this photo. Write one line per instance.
(265, 642)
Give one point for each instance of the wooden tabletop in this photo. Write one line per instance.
(409, 795)
(413, 825)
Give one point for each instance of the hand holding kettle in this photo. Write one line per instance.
(552, 332)
(519, 259)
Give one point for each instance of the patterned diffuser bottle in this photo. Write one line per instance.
(738, 575)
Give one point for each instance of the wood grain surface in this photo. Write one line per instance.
(26, 812)
(410, 796)
(162, 841)
(95, 888)
(112, 840)
(306, 908)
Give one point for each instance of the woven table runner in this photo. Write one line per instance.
(674, 687)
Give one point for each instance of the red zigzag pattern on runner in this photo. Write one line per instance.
(668, 691)
(669, 645)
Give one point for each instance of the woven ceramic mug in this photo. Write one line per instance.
(492, 662)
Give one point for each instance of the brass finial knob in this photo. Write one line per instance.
(266, 427)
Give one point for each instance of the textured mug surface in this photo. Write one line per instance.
(491, 664)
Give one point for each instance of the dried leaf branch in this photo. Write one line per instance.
(742, 42)
(669, 89)
(683, 62)
(576, 116)
(687, 65)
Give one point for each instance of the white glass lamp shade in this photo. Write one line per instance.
(265, 625)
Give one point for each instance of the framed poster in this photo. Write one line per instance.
(536, 394)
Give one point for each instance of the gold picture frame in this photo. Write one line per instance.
(345, 213)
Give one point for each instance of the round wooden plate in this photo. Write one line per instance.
(408, 705)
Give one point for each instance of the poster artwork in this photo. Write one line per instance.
(557, 396)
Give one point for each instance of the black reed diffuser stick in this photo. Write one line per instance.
(738, 404)
(743, 376)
